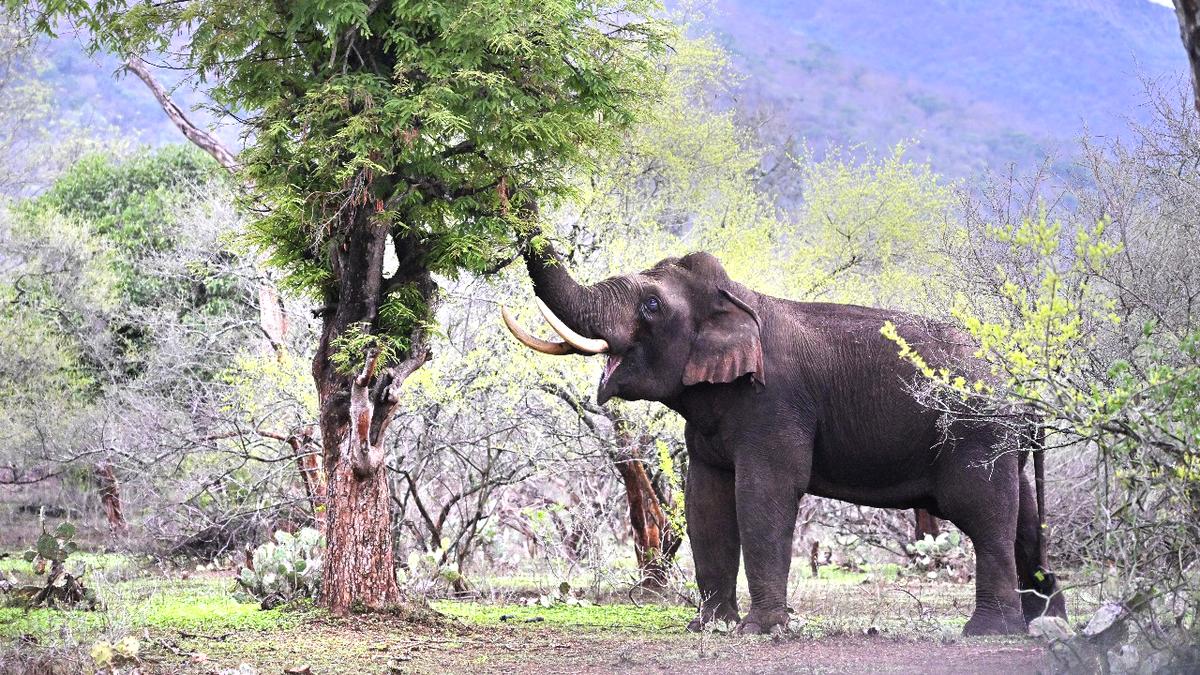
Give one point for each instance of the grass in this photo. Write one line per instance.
(202, 605)
(195, 626)
(92, 563)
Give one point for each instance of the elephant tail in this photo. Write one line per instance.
(1039, 486)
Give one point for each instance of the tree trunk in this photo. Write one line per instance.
(655, 543)
(312, 475)
(357, 409)
(1188, 13)
(359, 572)
(925, 524)
(110, 497)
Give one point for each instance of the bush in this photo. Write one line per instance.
(284, 570)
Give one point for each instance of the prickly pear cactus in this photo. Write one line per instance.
(284, 570)
(54, 547)
(48, 557)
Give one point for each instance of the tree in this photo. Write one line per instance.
(129, 318)
(388, 139)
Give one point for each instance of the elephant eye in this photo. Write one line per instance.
(650, 305)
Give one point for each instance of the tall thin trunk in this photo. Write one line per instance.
(110, 497)
(312, 475)
(655, 542)
(925, 524)
(1188, 13)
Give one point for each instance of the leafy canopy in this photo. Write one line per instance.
(417, 110)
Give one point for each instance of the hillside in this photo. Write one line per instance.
(980, 84)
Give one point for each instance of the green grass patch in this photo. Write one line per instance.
(645, 617)
(841, 575)
(199, 605)
(87, 562)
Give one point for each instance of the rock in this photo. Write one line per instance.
(1103, 619)
(1051, 628)
(1124, 660)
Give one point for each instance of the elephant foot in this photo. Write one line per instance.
(762, 622)
(707, 616)
(1044, 599)
(995, 623)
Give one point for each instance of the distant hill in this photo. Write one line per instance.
(93, 91)
(980, 83)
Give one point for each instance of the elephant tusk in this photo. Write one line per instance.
(536, 344)
(583, 344)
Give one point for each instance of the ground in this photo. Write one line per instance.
(363, 645)
(187, 622)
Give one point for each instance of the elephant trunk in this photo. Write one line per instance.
(588, 318)
(575, 304)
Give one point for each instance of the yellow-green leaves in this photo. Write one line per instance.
(1040, 334)
(870, 232)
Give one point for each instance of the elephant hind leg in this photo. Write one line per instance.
(1039, 589)
(983, 503)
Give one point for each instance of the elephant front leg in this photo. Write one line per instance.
(767, 500)
(713, 530)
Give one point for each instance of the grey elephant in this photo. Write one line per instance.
(783, 399)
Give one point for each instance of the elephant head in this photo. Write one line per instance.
(680, 323)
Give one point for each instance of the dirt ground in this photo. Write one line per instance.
(386, 645)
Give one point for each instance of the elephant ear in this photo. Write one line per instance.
(728, 345)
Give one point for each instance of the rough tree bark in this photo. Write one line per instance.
(655, 542)
(110, 497)
(925, 524)
(356, 411)
(1188, 13)
(312, 473)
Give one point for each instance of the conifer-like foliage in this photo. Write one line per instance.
(416, 110)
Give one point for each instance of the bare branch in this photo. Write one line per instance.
(201, 138)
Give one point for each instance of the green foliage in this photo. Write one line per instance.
(63, 587)
(1126, 397)
(154, 603)
(1044, 331)
(871, 232)
(412, 115)
(91, 250)
(676, 514)
(285, 570)
(53, 546)
(129, 205)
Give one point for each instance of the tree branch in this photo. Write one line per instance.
(201, 138)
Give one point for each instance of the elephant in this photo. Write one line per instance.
(784, 398)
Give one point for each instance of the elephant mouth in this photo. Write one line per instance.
(610, 366)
